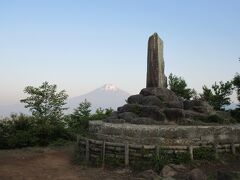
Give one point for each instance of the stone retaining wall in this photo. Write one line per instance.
(165, 135)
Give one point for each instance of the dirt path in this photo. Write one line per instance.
(45, 163)
(56, 164)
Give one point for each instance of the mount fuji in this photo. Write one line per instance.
(106, 96)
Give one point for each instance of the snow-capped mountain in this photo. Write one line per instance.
(105, 97)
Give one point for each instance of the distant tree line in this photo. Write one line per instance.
(218, 95)
(47, 123)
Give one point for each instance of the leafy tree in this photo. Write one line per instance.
(218, 95)
(236, 83)
(45, 103)
(79, 120)
(101, 113)
(47, 106)
(82, 111)
(179, 86)
(236, 112)
(108, 111)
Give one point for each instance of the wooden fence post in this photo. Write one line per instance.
(87, 150)
(190, 149)
(78, 138)
(126, 154)
(233, 148)
(216, 150)
(103, 153)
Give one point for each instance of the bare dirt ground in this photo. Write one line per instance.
(56, 164)
(48, 163)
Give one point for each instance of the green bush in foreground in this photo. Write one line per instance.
(164, 158)
(236, 114)
(23, 131)
(78, 122)
(204, 153)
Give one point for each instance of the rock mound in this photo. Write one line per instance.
(159, 105)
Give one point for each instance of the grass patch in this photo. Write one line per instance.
(204, 153)
(163, 158)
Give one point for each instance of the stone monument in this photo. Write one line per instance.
(157, 118)
(156, 104)
(157, 115)
(155, 63)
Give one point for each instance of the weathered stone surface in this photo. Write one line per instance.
(178, 167)
(143, 120)
(143, 111)
(198, 106)
(135, 99)
(168, 171)
(155, 63)
(174, 104)
(163, 94)
(135, 108)
(196, 174)
(152, 101)
(145, 100)
(127, 116)
(173, 114)
(168, 134)
(148, 174)
(152, 112)
(189, 114)
(113, 120)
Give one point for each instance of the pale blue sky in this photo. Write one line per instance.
(81, 45)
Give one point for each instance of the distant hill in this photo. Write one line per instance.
(15, 108)
(105, 97)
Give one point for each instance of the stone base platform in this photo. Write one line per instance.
(165, 135)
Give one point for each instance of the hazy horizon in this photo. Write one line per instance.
(82, 45)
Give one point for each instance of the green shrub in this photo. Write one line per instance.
(79, 155)
(96, 162)
(78, 121)
(164, 158)
(220, 118)
(142, 164)
(160, 160)
(101, 114)
(17, 132)
(215, 119)
(22, 131)
(204, 153)
(238, 149)
(179, 158)
(236, 114)
(114, 162)
(21, 139)
(59, 142)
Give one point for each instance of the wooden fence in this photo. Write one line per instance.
(124, 153)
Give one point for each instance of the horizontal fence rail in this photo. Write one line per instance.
(102, 151)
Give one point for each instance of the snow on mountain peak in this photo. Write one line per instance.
(109, 87)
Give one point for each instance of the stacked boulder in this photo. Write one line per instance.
(159, 106)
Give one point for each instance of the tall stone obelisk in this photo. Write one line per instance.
(155, 63)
